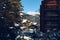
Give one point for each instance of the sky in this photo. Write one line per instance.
(31, 5)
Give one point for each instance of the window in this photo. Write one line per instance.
(51, 23)
(51, 7)
(51, 14)
(52, 18)
(59, 5)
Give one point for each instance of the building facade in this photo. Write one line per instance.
(50, 15)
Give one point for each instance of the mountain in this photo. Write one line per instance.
(33, 18)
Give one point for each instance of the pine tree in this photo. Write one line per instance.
(9, 14)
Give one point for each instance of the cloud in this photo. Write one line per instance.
(33, 13)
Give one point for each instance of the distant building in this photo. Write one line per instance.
(50, 15)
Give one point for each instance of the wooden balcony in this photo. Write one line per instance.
(52, 2)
